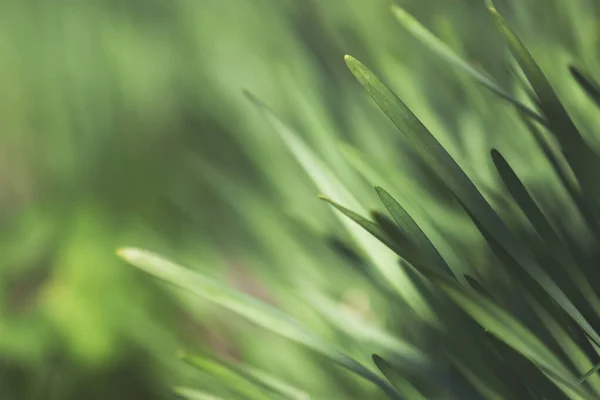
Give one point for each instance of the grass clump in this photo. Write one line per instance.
(526, 327)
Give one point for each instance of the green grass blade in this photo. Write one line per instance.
(580, 156)
(252, 309)
(194, 394)
(367, 225)
(590, 86)
(446, 53)
(328, 183)
(590, 373)
(239, 376)
(544, 229)
(403, 386)
(561, 171)
(461, 186)
(509, 330)
(412, 229)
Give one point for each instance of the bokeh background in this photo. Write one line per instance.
(124, 123)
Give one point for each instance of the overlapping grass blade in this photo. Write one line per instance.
(579, 155)
(591, 372)
(254, 382)
(403, 385)
(509, 330)
(544, 229)
(563, 174)
(256, 311)
(367, 225)
(411, 228)
(327, 182)
(587, 83)
(447, 54)
(461, 186)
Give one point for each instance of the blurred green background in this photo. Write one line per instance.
(124, 123)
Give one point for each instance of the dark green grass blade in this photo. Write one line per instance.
(412, 229)
(579, 155)
(459, 183)
(250, 308)
(447, 54)
(477, 287)
(587, 83)
(545, 230)
(509, 330)
(582, 204)
(525, 370)
(402, 385)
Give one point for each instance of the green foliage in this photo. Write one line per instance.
(528, 328)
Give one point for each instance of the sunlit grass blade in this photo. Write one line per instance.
(447, 54)
(365, 331)
(461, 186)
(580, 156)
(411, 228)
(187, 393)
(590, 373)
(225, 376)
(328, 183)
(252, 309)
(403, 386)
(367, 225)
(253, 382)
(587, 83)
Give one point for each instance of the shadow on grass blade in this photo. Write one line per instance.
(587, 83)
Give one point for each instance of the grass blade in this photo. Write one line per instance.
(509, 330)
(587, 83)
(579, 155)
(256, 311)
(403, 386)
(193, 394)
(412, 229)
(461, 186)
(328, 183)
(446, 53)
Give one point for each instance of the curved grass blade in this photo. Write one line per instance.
(412, 229)
(446, 53)
(403, 386)
(461, 186)
(579, 155)
(587, 83)
(252, 309)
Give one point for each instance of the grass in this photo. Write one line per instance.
(526, 327)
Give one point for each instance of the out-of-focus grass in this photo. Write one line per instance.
(124, 122)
